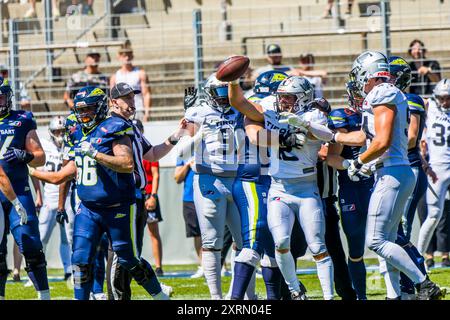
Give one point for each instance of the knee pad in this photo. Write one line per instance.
(317, 248)
(82, 273)
(142, 272)
(268, 262)
(3, 265)
(248, 256)
(283, 243)
(34, 261)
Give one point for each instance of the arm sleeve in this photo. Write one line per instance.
(180, 162)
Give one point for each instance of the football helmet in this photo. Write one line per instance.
(90, 106)
(267, 82)
(368, 65)
(56, 130)
(400, 71)
(216, 94)
(441, 94)
(5, 96)
(355, 100)
(294, 94)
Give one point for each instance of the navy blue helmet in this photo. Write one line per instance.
(90, 106)
(5, 96)
(401, 71)
(267, 82)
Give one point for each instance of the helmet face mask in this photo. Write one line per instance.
(293, 95)
(355, 99)
(441, 94)
(90, 106)
(57, 130)
(5, 97)
(217, 94)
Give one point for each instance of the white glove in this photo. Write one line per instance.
(88, 149)
(20, 211)
(293, 120)
(355, 170)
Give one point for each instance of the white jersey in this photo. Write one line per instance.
(53, 162)
(291, 162)
(132, 79)
(438, 134)
(388, 94)
(217, 151)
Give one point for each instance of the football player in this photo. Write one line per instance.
(354, 192)
(250, 191)
(53, 149)
(385, 128)
(102, 160)
(438, 145)
(19, 146)
(213, 123)
(295, 135)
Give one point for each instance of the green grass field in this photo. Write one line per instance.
(186, 288)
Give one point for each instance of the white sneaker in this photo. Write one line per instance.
(29, 283)
(97, 296)
(168, 290)
(198, 274)
(30, 14)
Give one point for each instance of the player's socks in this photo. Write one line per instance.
(64, 251)
(39, 278)
(325, 274)
(406, 284)
(272, 279)
(44, 295)
(211, 268)
(233, 255)
(243, 273)
(398, 258)
(3, 278)
(358, 276)
(287, 267)
(250, 293)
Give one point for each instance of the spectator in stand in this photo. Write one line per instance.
(31, 13)
(274, 57)
(137, 78)
(89, 76)
(328, 14)
(154, 212)
(184, 173)
(425, 72)
(306, 69)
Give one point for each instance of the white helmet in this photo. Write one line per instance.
(57, 123)
(216, 94)
(368, 65)
(299, 87)
(441, 94)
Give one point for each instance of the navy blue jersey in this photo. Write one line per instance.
(351, 121)
(97, 185)
(416, 105)
(14, 128)
(250, 165)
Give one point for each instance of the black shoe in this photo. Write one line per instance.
(429, 263)
(428, 290)
(298, 296)
(159, 272)
(445, 262)
(67, 276)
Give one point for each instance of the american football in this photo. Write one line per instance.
(232, 68)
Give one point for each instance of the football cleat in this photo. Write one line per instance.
(198, 274)
(428, 290)
(167, 290)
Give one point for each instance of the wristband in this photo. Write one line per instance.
(172, 142)
(235, 82)
(15, 202)
(359, 162)
(154, 195)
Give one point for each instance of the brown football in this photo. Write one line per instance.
(232, 68)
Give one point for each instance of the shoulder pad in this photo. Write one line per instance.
(415, 103)
(384, 93)
(116, 126)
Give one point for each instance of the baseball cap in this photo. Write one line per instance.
(273, 49)
(93, 53)
(3, 67)
(121, 89)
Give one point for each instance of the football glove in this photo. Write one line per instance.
(20, 211)
(294, 120)
(61, 216)
(293, 140)
(320, 103)
(355, 170)
(18, 155)
(190, 96)
(88, 149)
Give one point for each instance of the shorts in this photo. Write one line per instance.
(191, 220)
(154, 216)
